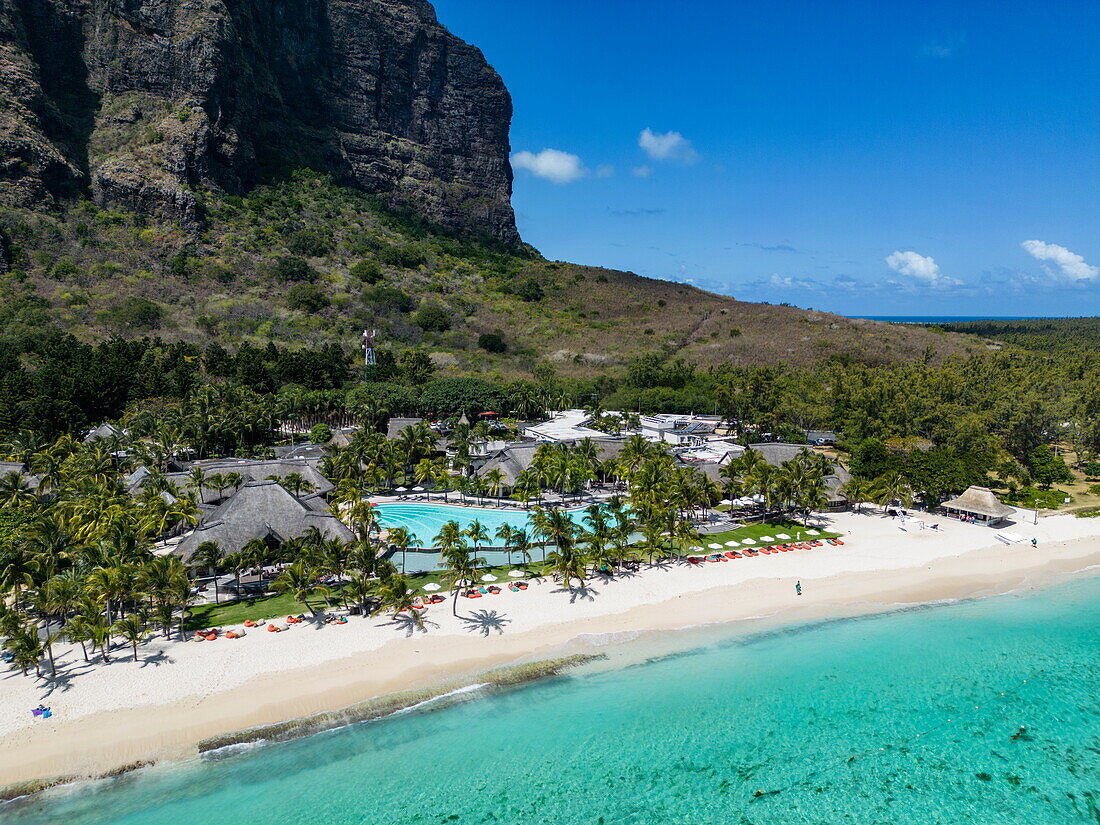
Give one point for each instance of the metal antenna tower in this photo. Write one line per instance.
(368, 347)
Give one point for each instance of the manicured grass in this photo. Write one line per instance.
(795, 529)
(263, 608)
(258, 609)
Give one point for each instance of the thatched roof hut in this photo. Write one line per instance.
(980, 504)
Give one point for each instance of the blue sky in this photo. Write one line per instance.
(865, 158)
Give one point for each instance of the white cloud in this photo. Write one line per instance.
(667, 146)
(605, 171)
(1071, 266)
(788, 282)
(641, 171)
(922, 267)
(551, 164)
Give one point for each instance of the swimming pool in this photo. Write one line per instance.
(425, 519)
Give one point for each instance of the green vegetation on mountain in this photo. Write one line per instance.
(307, 262)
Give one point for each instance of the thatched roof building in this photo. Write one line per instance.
(979, 504)
(261, 510)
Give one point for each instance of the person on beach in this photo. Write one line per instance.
(798, 588)
(1035, 542)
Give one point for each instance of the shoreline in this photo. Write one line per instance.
(661, 603)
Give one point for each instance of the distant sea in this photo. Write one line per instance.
(975, 712)
(943, 319)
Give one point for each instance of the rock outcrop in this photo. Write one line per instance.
(145, 103)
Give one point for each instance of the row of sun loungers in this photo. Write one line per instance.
(749, 552)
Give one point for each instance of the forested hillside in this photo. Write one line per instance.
(305, 262)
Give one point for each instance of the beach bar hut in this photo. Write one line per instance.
(978, 504)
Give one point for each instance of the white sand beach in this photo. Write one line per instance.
(107, 716)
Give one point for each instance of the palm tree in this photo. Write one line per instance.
(503, 534)
(811, 496)
(78, 629)
(520, 543)
(494, 481)
(26, 648)
(207, 556)
(217, 481)
(394, 593)
(857, 491)
(110, 584)
(197, 479)
(686, 534)
(461, 566)
(300, 581)
(100, 633)
(568, 563)
(15, 490)
(560, 529)
(363, 518)
(402, 539)
(652, 534)
(294, 483)
(442, 480)
(476, 533)
(132, 629)
(892, 487)
(424, 472)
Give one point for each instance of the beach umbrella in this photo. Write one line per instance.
(726, 502)
(714, 546)
(418, 489)
(516, 574)
(400, 489)
(732, 543)
(488, 577)
(696, 549)
(430, 586)
(748, 541)
(812, 533)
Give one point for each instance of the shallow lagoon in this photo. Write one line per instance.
(902, 718)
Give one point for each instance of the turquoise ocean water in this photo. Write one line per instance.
(902, 718)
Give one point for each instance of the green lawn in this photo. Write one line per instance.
(269, 607)
(795, 529)
(258, 609)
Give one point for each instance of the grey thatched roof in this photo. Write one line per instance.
(310, 453)
(512, 460)
(395, 426)
(980, 501)
(777, 453)
(515, 458)
(250, 470)
(260, 509)
(103, 432)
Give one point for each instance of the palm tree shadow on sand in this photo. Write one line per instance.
(585, 592)
(486, 621)
(408, 623)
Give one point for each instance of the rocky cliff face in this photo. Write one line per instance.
(145, 102)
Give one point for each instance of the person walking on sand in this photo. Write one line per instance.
(798, 588)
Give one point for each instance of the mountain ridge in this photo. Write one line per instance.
(141, 103)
